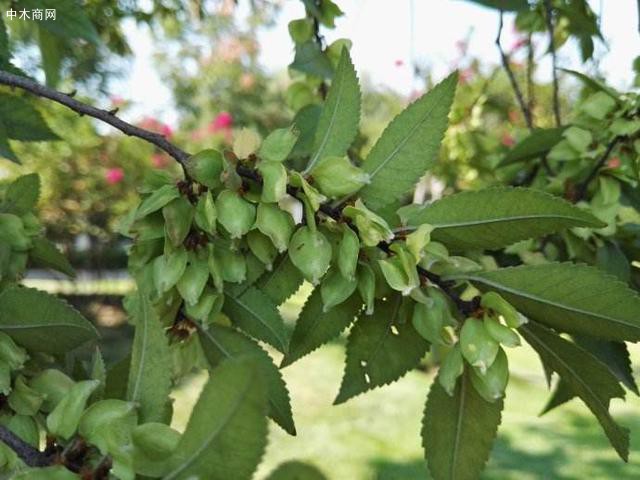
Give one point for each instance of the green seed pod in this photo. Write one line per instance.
(314, 197)
(205, 167)
(168, 269)
(178, 215)
(492, 383)
(13, 355)
(63, 420)
(278, 144)
(233, 266)
(276, 224)
(107, 422)
(215, 269)
(246, 142)
(192, 281)
(23, 399)
(500, 333)
(348, 252)
(310, 252)
(397, 276)
(366, 286)
(153, 444)
(495, 302)
(206, 214)
(235, 214)
(335, 289)
(202, 309)
(417, 240)
(428, 321)
(25, 427)
(157, 200)
(477, 346)
(5, 378)
(451, 368)
(274, 181)
(262, 247)
(372, 228)
(53, 385)
(337, 176)
(12, 232)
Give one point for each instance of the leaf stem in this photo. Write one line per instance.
(554, 67)
(583, 187)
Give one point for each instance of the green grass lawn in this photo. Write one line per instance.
(377, 435)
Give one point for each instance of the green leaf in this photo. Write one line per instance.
(4, 43)
(22, 194)
(227, 433)
(46, 254)
(506, 5)
(158, 199)
(380, 350)
(495, 217)
(71, 20)
(585, 375)
(282, 281)
(221, 343)
(594, 84)
(537, 143)
(310, 59)
(149, 378)
(5, 149)
(22, 121)
(47, 473)
(570, 298)
(458, 431)
(255, 313)
(340, 117)
(306, 123)
(48, 324)
(294, 470)
(50, 51)
(614, 355)
(407, 148)
(314, 327)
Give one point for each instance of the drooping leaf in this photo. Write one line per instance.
(615, 355)
(458, 430)
(380, 350)
(50, 51)
(537, 143)
(221, 343)
(340, 117)
(496, 217)
(46, 254)
(149, 378)
(570, 298)
(407, 148)
(594, 84)
(22, 121)
(257, 315)
(227, 433)
(5, 149)
(71, 20)
(41, 322)
(585, 376)
(315, 327)
(4, 44)
(611, 259)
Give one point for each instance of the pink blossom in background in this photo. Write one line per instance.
(507, 140)
(150, 123)
(159, 160)
(247, 81)
(198, 135)
(514, 116)
(114, 175)
(466, 75)
(223, 121)
(518, 43)
(462, 46)
(166, 130)
(117, 101)
(614, 162)
(399, 63)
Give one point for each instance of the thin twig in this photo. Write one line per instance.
(105, 116)
(581, 190)
(531, 94)
(30, 455)
(554, 67)
(512, 78)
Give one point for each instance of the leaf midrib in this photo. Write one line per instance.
(237, 301)
(504, 220)
(456, 442)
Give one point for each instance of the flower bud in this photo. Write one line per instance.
(311, 253)
(274, 181)
(337, 176)
(168, 269)
(372, 228)
(500, 333)
(235, 214)
(206, 214)
(53, 385)
(63, 420)
(451, 368)
(13, 355)
(335, 289)
(476, 345)
(205, 167)
(492, 383)
(348, 253)
(493, 301)
(275, 224)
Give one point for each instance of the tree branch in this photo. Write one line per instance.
(512, 78)
(31, 456)
(105, 116)
(581, 191)
(554, 68)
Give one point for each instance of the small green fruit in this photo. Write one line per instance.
(205, 167)
(310, 252)
(366, 286)
(13, 355)
(206, 214)
(108, 421)
(262, 247)
(495, 302)
(337, 177)
(348, 253)
(193, 280)
(451, 368)
(153, 444)
(23, 399)
(235, 214)
(274, 181)
(168, 269)
(276, 224)
(500, 333)
(492, 383)
(63, 420)
(53, 385)
(335, 289)
(477, 346)
(178, 215)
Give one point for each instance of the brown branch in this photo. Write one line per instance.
(30, 455)
(581, 190)
(105, 116)
(512, 78)
(554, 67)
